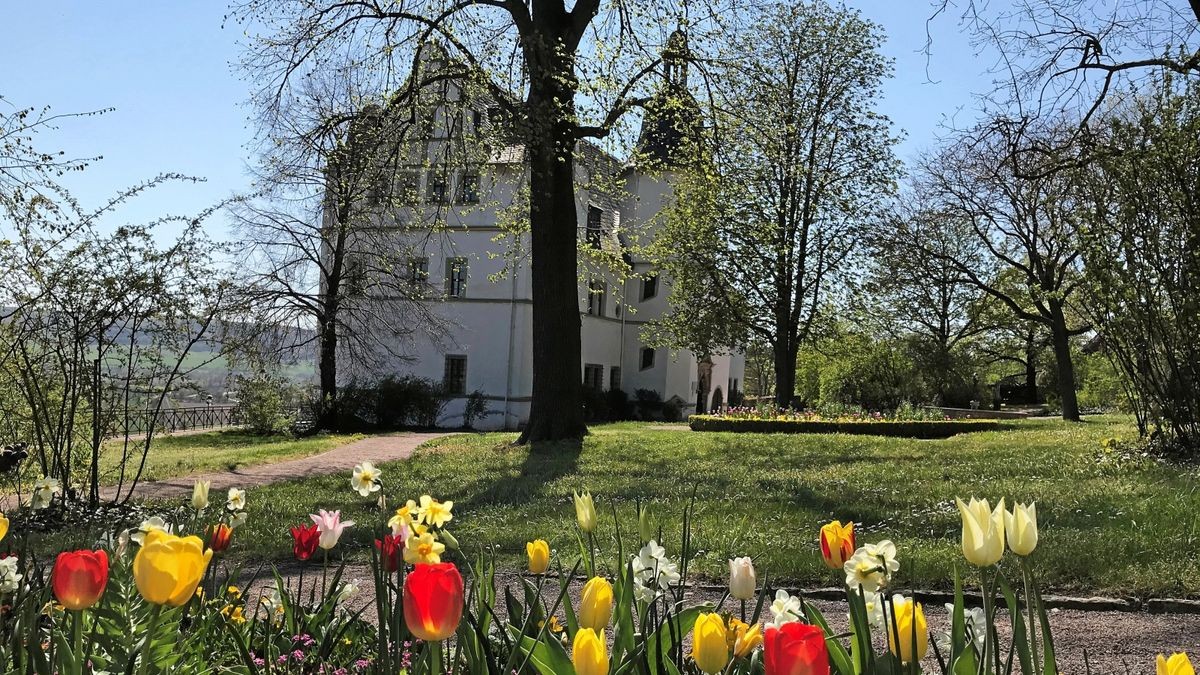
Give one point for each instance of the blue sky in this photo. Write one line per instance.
(180, 107)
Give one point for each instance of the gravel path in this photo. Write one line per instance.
(384, 448)
(1115, 643)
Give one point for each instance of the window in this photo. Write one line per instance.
(476, 120)
(647, 357)
(408, 187)
(614, 378)
(649, 287)
(456, 277)
(468, 188)
(593, 376)
(439, 189)
(593, 226)
(418, 271)
(356, 281)
(596, 292)
(455, 379)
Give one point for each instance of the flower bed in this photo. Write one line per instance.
(161, 600)
(800, 425)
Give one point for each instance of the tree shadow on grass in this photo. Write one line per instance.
(544, 463)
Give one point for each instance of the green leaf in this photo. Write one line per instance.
(1020, 639)
(838, 656)
(547, 656)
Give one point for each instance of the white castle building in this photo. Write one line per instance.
(478, 271)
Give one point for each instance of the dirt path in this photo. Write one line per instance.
(342, 458)
(1122, 643)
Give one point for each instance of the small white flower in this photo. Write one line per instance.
(348, 590)
(976, 628)
(44, 490)
(785, 608)
(236, 500)
(238, 519)
(10, 578)
(365, 479)
(871, 566)
(147, 526)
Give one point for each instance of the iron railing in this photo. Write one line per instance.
(178, 419)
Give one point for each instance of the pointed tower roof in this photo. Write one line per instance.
(672, 115)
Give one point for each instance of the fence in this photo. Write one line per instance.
(178, 419)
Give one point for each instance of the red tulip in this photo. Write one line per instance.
(433, 600)
(795, 649)
(304, 541)
(391, 552)
(218, 537)
(79, 578)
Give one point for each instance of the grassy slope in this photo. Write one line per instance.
(1128, 530)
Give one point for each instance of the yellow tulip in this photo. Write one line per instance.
(743, 638)
(589, 653)
(595, 604)
(909, 618)
(168, 568)
(709, 646)
(982, 531)
(3, 526)
(585, 511)
(1178, 664)
(539, 556)
(1021, 528)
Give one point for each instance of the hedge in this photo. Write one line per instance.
(898, 428)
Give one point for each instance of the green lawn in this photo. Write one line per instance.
(1105, 528)
(215, 451)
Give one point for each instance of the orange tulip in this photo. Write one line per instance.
(218, 537)
(837, 543)
(433, 601)
(79, 578)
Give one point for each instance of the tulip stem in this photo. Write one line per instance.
(77, 639)
(144, 664)
(1027, 573)
(743, 611)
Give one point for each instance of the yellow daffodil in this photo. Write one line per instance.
(1021, 529)
(234, 592)
(909, 619)
(539, 556)
(589, 652)
(423, 548)
(435, 513)
(982, 531)
(167, 569)
(585, 511)
(1176, 664)
(742, 637)
(405, 516)
(596, 604)
(710, 648)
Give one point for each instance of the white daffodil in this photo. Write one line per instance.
(871, 566)
(44, 490)
(10, 578)
(976, 627)
(236, 500)
(785, 608)
(147, 526)
(238, 519)
(365, 479)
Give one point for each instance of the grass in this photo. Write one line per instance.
(1126, 527)
(223, 450)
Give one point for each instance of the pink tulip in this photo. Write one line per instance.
(331, 526)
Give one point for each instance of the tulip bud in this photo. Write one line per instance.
(596, 604)
(982, 532)
(539, 556)
(909, 620)
(837, 543)
(200, 494)
(589, 652)
(167, 569)
(449, 540)
(645, 524)
(710, 647)
(1177, 664)
(742, 580)
(1021, 528)
(585, 511)
(433, 601)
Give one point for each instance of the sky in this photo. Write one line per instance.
(179, 105)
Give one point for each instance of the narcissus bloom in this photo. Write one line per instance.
(538, 552)
(742, 580)
(79, 578)
(168, 568)
(331, 526)
(795, 649)
(1177, 664)
(1020, 526)
(423, 548)
(710, 646)
(589, 653)
(871, 566)
(391, 552)
(982, 532)
(219, 536)
(837, 543)
(434, 513)
(44, 490)
(304, 541)
(909, 619)
(404, 519)
(236, 500)
(200, 494)
(585, 511)
(365, 479)
(596, 604)
(433, 601)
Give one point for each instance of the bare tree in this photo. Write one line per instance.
(559, 74)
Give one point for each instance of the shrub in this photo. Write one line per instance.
(393, 403)
(475, 408)
(672, 409)
(618, 404)
(266, 403)
(898, 428)
(881, 377)
(648, 403)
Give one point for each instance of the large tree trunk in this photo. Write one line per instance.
(1066, 368)
(556, 412)
(785, 373)
(327, 369)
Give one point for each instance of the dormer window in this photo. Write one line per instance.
(594, 230)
